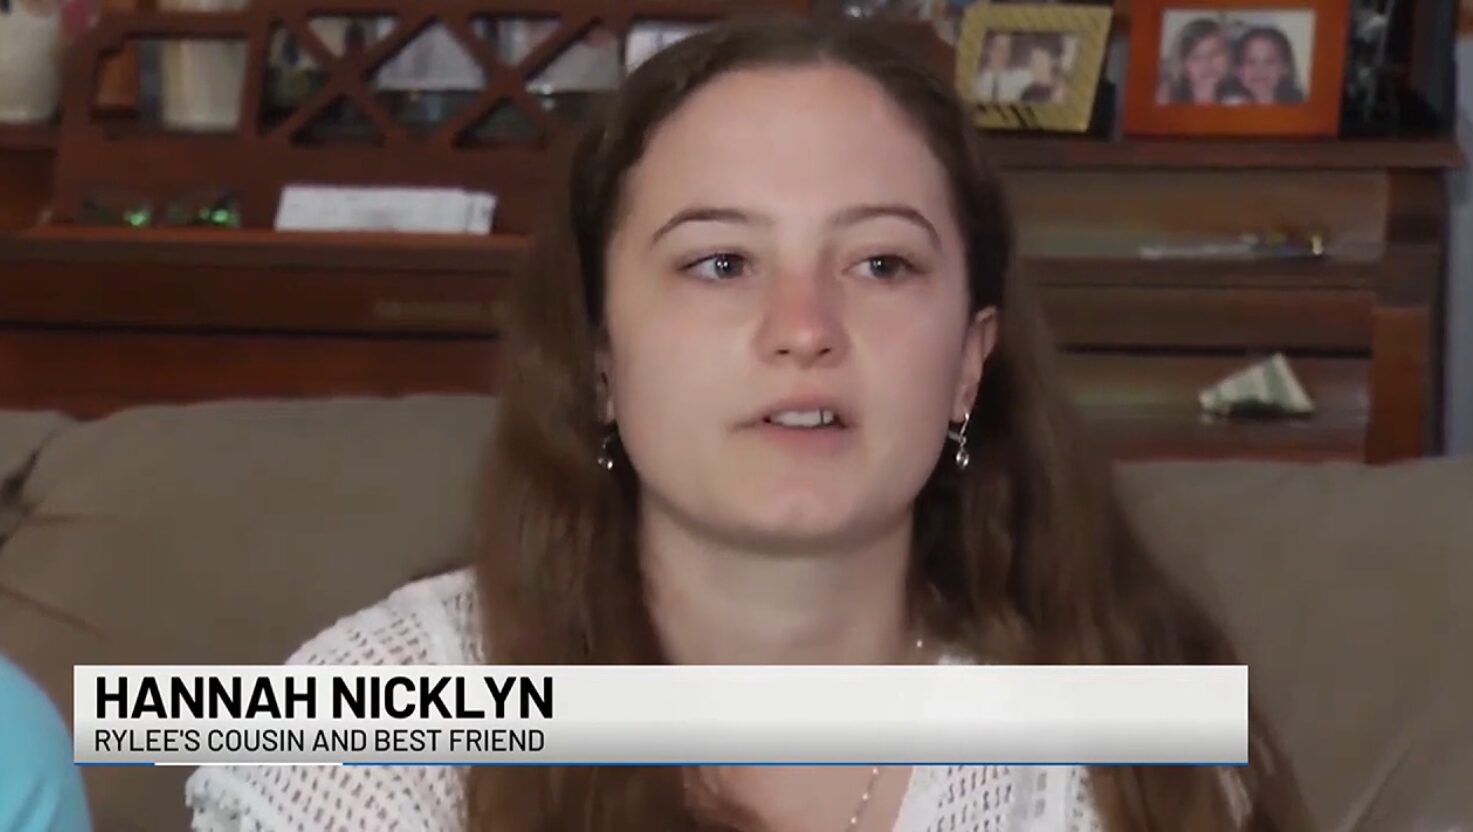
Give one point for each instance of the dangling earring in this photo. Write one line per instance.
(962, 458)
(606, 451)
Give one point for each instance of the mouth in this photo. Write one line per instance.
(806, 426)
(809, 419)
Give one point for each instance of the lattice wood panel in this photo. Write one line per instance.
(99, 153)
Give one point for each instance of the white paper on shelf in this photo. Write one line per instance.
(395, 209)
(482, 210)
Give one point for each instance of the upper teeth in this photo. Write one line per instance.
(803, 418)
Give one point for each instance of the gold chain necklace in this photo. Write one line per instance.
(874, 774)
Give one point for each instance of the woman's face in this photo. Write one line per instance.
(1207, 63)
(1262, 70)
(787, 312)
(1000, 51)
(1041, 66)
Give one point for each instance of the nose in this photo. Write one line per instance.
(802, 320)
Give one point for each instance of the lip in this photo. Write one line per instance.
(803, 402)
(803, 442)
(823, 442)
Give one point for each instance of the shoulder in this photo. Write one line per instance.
(997, 797)
(1018, 799)
(433, 621)
(1000, 797)
(323, 798)
(39, 790)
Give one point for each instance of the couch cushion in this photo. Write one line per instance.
(1347, 589)
(226, 533)
(21, 438)
(230, 532)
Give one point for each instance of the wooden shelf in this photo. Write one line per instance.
(472, 253)
(257, 281)
(1395, 265)
(131, 316)
(27, 136)
(254, 280)
(91, 373)
(1149, 438)
(1033, 151)
(1016, 152)
(263, 249)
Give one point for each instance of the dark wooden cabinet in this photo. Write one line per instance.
(1361, 325)
(94, 319)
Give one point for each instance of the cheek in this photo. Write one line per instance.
(911, 377)
(667, 376)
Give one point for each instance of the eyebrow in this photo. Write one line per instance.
(848, 216)
(706, 213)
(861, 213)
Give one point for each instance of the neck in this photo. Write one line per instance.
(714, 602)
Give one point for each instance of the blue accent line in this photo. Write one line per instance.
(113, 764)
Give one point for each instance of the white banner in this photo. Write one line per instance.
(713, 715)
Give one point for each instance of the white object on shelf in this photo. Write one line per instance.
(433, 61)
(202, 80)
(30, 61)
(645, 39)
(405, 210)
(589, 64)
(1270, 383)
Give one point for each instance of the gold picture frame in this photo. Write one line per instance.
(1050, 82)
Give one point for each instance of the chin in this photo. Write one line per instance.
(798, 541)
(808, 525)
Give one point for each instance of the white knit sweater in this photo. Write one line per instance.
(434, 621)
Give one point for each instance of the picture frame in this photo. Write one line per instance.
(1032, 66)
(1235, 68)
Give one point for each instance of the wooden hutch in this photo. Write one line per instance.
(93, 318)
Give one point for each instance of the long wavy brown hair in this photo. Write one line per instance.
(1024, 557)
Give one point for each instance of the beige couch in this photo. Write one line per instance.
(230, 532)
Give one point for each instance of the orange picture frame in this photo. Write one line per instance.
(1318, 114)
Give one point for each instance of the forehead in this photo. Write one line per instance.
(798, 136)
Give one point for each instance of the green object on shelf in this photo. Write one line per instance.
(211, 210)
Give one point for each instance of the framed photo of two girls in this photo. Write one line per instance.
(1236, 67)
(1193, 67)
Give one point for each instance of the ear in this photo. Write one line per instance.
(981, 338)
(603, 390)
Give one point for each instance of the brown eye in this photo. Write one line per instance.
(718, 267)
(886, 267)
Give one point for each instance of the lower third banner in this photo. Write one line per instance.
(661, 715)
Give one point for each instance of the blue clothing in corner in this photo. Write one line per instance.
(40, 788)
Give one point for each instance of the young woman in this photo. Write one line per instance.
(775, 396)
(1203, 65)
(1045, 81)
(999, 81)
(1265, 67)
